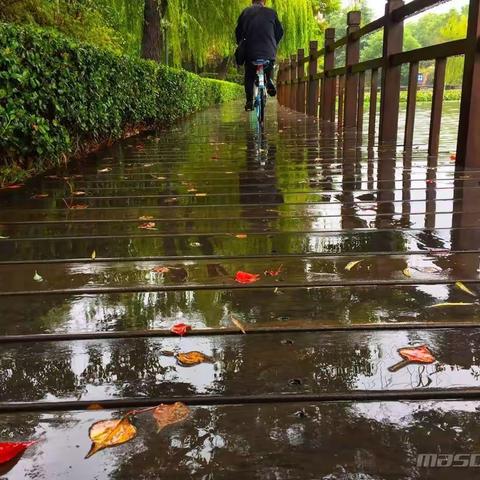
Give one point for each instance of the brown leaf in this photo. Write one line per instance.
(238, 324)
(161, 270)
(95, 406)
(191, 359)
(166, 415)
(110, 433)
(148, 226)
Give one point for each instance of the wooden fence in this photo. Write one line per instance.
(338, 94)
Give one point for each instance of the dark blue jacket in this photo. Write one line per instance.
(263, 31)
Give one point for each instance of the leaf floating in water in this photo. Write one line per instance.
(453, 157)
(170, 200)
(445, 305)
(3, 238)
(105, 170)
(146, 217)
(274, 273)
(94, 255)
(200, 194)
(195, 244)
(37, 277)
(110, 433)
(244, 277)
(464, 288)
(14, 187)
(79, 194)
(95, 406)
(161, 270)
(241, 236)
(181, 329)
(191, 359)
(238, 324)
(148, 226)
(39, 196)
(408, 273)
(166, 415)
(411, 355)
(11, 450)
(352, 265)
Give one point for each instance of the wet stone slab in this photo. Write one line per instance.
(266, 442)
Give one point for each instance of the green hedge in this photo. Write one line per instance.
(453, 95)
(57, 95)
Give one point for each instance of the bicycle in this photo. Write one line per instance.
(260, 92)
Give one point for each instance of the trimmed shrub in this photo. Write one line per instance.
(57, 95)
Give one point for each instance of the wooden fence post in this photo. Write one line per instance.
(313, 84)
(351, 80)
(300, 103)
(293, 91)
(437, 106)
(411, 106)
(468, 149)
(329, 84)
(391, 76)
(288, 102)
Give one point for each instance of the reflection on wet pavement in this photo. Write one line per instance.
(375, 251)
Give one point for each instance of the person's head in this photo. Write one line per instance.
(259, 2)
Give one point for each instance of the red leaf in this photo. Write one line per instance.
(453, 157)
(244, 277)
(274, 273)
(181, 329)
(10, 450)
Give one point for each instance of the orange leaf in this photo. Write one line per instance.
(191, 359)
(161, 270)
(148, 226)
(166, 415)
(244, 277)
(417, 354)
(241, 236)
(110, 433)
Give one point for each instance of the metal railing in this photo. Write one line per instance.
(338, 94)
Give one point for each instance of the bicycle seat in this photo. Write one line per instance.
(257, 63)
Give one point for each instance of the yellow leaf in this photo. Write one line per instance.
(241, 236)
(37, 278)
(94, 255)
(191, 359)
(407, 272)
(200, 194)
(352, 265)
(460, 304)
(166, 415)
(238, 324)
(110, 433)
(464, 288)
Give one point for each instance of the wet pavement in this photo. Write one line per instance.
(359, 252)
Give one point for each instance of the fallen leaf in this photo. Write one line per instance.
(79, 194)
(14, 187)
(411, 355)
(453, 157)
(166, 415)
(95, 406)
(181, 329)
(161, 270)
(39, 196)
(104, 170)
(241, 236)
(195, 244)
(3, 238)
(37, 277)
(459, 304)
(238, 324)
(148, 226)
(191, 359)
(94, 255)
(352, 265)
(408, 273)
(430, 182)
(170, 200)
(11, 450)
(273, 273)
(78, 206)
(148, 165)
(244, 277)
(200, 194)
(192, 190)
(146, 217)
(110, 433)
(464, 288)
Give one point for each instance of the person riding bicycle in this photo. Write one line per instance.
(261, 30)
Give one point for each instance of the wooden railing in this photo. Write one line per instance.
(338, 94)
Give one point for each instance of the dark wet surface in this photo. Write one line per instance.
(203, 201)
(333, 441)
